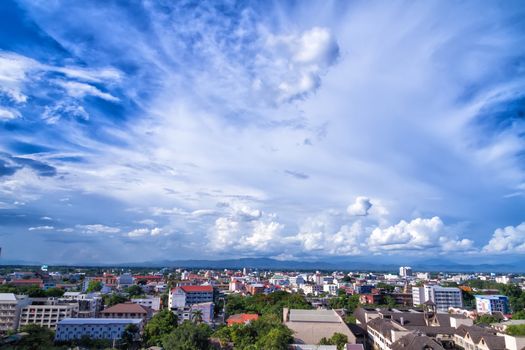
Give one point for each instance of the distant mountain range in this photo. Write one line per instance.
(434, 265)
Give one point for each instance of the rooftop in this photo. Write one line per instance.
(125, 308)
(7, 297)
(95, 321)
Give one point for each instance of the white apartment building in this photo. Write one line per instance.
(312, 289)
(443, 297)
(330, 289)
(296, 280)
(10, 309)
(189, 313)
(405, 271)
(187, 295)
(94, 328)
(151, 302)
(47, 314)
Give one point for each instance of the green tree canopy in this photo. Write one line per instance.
(188, 336)
(163, 323)
(94, 286)
(38, 338)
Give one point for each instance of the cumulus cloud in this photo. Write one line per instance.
(510, 239)
(245, 229)
(296, 62)
(417, 234)
(360, 207)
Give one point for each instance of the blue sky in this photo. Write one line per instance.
(147, 130)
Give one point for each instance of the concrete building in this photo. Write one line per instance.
(127, 310)
(487, 304)
(310, 326)
(256, 288)
(183, 296)
(150, 302)
(89, 305)
(405, 271)
(313, 289)
(125, 280)
(94, 328)
(443, 297)
(189, 313)
(47, 313)
(10, 309)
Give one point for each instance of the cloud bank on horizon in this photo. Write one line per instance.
(148, 130)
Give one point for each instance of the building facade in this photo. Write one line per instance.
(94, 328)
(183, 296)
(48, 313)
(443, 297)
(487, 304)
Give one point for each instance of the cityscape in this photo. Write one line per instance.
(262, 175)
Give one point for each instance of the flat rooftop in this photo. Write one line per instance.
(99, 321)
(314, 316)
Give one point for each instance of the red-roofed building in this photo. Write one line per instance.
(127, 310)
(28, 282)
(188, 295)
(148, 278)
(241, 319)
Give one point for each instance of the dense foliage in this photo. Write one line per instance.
(31, 291)
(516, 330)
(338, 339)
(188, 336)
(261, 304)
(164, 322)
(267, 332)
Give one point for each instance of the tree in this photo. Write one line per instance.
(94, 286)
(519, 315)
(134, 291)
(163, 323)
(37, 338)
(338, 339)
(276, 339)
(188, 336)
(54, 292)
(196, 316)
(130, 337)
(487, 319)
(516, 330)
(114, 299)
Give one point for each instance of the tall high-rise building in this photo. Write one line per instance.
(405, 271)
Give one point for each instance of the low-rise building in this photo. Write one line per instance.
(10, 309)
(151, 302)
(94, 328)
(201, 312)
(310, 326)
(127, 310)
(47, 313)
(241, 319)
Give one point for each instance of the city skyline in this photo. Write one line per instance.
(289, 130)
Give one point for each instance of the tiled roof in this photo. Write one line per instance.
(193, 289)
(242, 318)
(125, 308)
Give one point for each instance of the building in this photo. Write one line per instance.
(487, 304)
(150, 302)
(241, 319)
(478, 338)
(330, 289)
(89, 305)
(310, 326)
(393, 329)
(183, 296)
(443, 297)
(405, 271)
(93, 328)
(256, 288)
(10, 309)
(127, 310)
(313, 289)
(47, 313)
(203, 311)
(125, 280)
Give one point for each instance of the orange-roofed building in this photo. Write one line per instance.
(27, 282)
(241, 319)
(127, 310)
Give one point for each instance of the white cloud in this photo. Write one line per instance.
(46, 218)
(417, 234)
(141, 232)
(98, 228)
(52, 114)
(360, 207)
(510, 239)
(8, 114)
(79, 90)
(41, 228)
(294, 63)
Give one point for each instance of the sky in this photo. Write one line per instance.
(138, 131)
